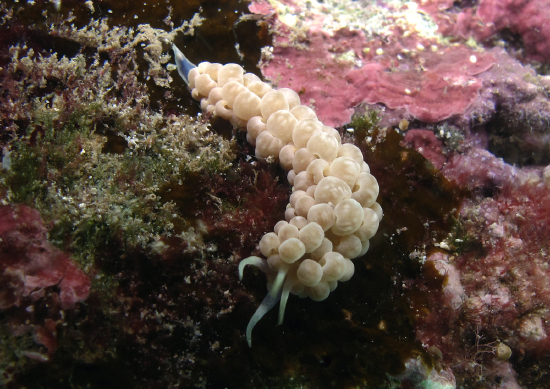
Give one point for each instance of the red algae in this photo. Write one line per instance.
(38, 281)
(426, 143)
(29, 263)
(496, 272)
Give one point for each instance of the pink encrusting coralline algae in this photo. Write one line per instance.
(337, 71)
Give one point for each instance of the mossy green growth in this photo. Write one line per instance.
(41, 157)
(91, 197)
(24, 178)
(363, 124)
(12, 352)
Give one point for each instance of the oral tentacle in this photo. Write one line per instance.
(260, 263)
(268, 302)
(289, 283)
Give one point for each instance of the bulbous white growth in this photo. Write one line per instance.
(350, 270)
(332, 212)
(311, 236)
(281, 124)
(345, 169)
(280, 224)
(204, 84)
(298, 221)
(230, 72)
(212, 69)
(259, 88)
(349, 217)
(215, 95)
(309, 272)
(222, 109)
(322, 214)
(301, 181)
(291, 250)
(291, 96)
(325, 247)
(351, 151)
(288, 231)
(349, 246)
(317, 170)
(193, 73)
(302, 159)
(231, 90)
(303, 205)
(334, 133)
(303, 112)
(366, 245)
(365, 190)
(246, 105)
(249, 78)
(333, 265)
(304, 130)
(272, 102)
(378, 209)
(332, 190)
(268, 146)
(269, 244)
(369, 226)
(286, 155)
(255, 126)
(319, 292)
(323, 146)
(295, 196)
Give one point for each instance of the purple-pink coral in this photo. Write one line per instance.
(427, 80)
(443, 84)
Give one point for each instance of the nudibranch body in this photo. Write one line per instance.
(332, 212)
